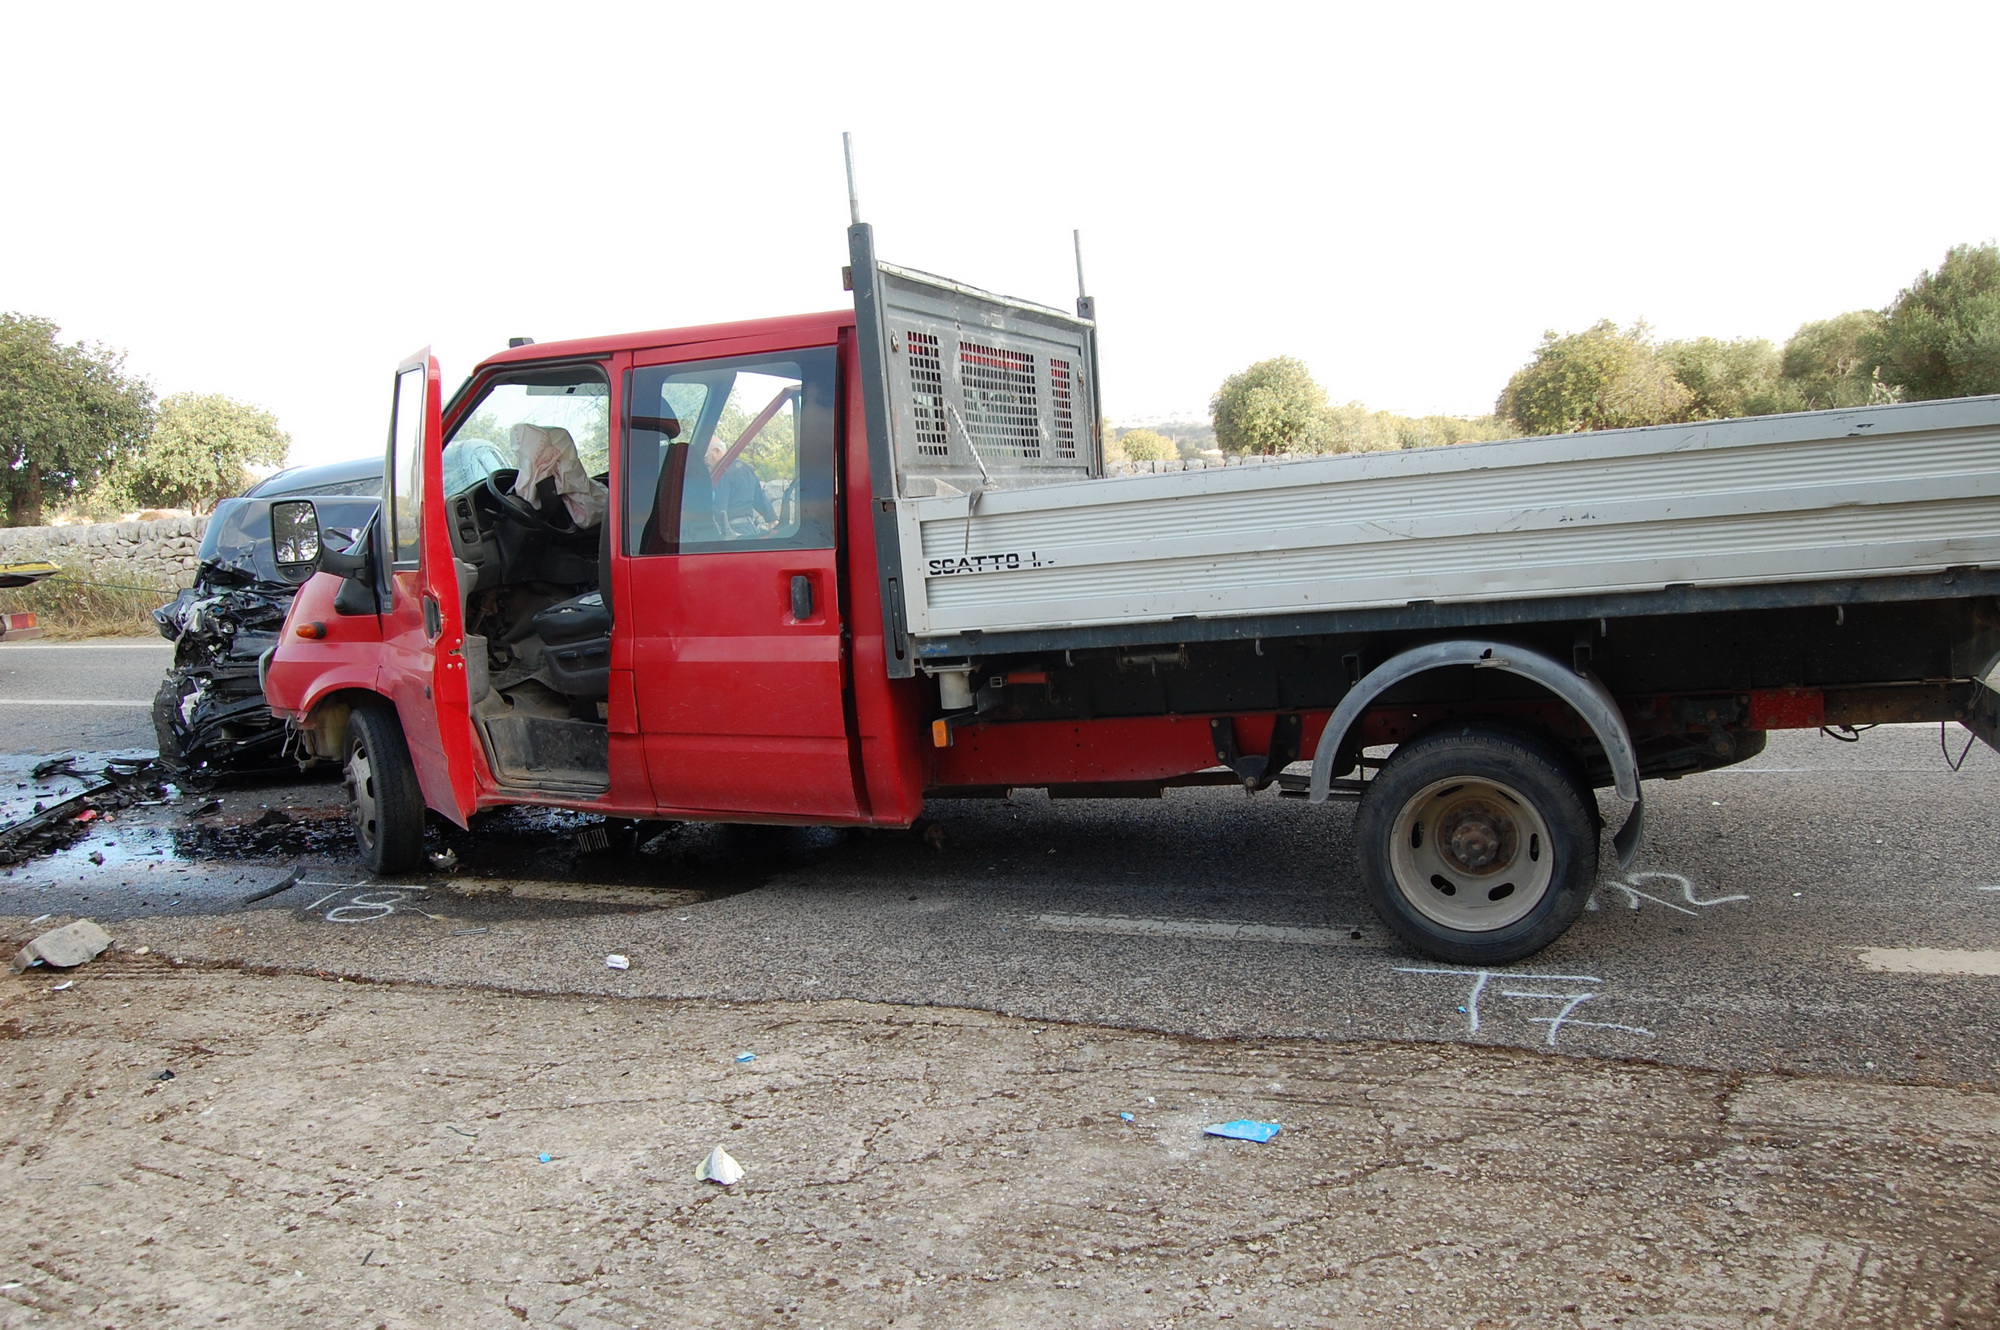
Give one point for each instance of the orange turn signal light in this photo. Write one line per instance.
(940, 734)
(314, 630)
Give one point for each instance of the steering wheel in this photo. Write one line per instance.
(512, 507)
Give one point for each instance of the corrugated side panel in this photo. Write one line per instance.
(1876, 491)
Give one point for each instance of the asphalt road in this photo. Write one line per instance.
(1828, 907)
(60, 696)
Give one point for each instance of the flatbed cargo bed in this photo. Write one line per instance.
(1904, 496)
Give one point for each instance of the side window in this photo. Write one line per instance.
(574, 398)
(731, 454)
(406, 463)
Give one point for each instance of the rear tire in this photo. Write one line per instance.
(383, 798)
(1478, 845)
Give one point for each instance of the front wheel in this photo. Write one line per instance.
(383, 797)
(1478, 846)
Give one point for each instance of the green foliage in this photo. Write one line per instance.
(65, 412)
(1353, 428)
(198, 452)
(1941, 337)
(774, 453)
(1145, 445)
(1600, 378)
(1275, 406)
(1832, 362)
(1738, 378)
(75, 603)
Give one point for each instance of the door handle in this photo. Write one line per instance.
(802, 597)
(433, 618)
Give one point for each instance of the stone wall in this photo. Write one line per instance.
(150, 554)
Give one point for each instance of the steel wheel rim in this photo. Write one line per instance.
(1472, 854)
(361, 794)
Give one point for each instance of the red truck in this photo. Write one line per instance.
(818, 570)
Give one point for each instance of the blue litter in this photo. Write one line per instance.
(545, 1157)
(1126, 1116)
(1243, 1130)
(746, 1057)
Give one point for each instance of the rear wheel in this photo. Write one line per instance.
(383, 797)
(1478, 845)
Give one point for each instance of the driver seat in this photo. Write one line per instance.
(576, 635)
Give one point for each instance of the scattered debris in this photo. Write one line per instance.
(1127, 1117)
(471, 1134)
(616, 962)
(72, 944)
(57, 766)
(40, 919)
(273, 817)
(719, 1167)
(593, 840)
(746, 1057)
(1244, 1130)
(445, 861)
(285, 883)
(467, 932)
(97, 857)
(546, 1157)
(65, 984)
(212, 806)
(166, 1075)
(142, 951)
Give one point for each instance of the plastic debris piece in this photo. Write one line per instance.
(473, 1134)
(1127, 1117)
(616, 962)
(719, 1167)
(40, 919)
(87, 815)
(1244, 1130)
(212, 806)
(166, 1075)
(67, 983)
(546, 1157)
(97, 857)
(142, 951)
(467, 932)
(447, 860)
(746, 1057)
(72, 944)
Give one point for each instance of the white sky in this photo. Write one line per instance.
(277, 202)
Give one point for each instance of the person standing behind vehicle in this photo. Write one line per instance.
(741, 506)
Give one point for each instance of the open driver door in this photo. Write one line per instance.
(423, 628)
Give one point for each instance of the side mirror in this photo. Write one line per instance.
(295, 542)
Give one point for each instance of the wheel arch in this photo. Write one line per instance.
(1581, 691)
(323, 731)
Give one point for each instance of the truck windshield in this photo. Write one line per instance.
(577, 399)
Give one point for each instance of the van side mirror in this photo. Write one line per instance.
(295, 542)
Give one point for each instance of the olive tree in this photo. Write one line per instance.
(1600, 378)
(66, 413)
(198, 451)
(1275, 406)
(1941, 337)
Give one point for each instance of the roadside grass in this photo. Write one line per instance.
(68, 608)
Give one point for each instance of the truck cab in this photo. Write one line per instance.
(608, 576)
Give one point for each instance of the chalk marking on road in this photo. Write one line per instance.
(1570, 1001)
(1630, 886)
(1216, 929)
(1930, 960)
(1480, 978)
(1986, 888)
(68, 702)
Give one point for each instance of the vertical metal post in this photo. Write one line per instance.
(1076, 238)
(853, 199)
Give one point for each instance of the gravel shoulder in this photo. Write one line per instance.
(340, 1152)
